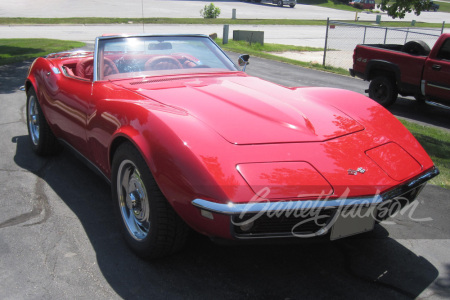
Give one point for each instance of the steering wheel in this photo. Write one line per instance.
(162, 63)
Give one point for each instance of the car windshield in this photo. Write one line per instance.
(142, 56)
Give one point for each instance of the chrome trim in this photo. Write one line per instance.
(95, 77)
(422, 87)
(437, 104)
(255, 207)
(439, 86)
(56, 70)
(108, 37)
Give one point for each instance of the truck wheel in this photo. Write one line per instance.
(416, 48)
(280, 3)
(383, 90)
(291, 5)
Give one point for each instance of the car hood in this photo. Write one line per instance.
(249, 110)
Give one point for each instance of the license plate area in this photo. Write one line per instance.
(351, 221)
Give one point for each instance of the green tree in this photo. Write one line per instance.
(210, 11)
(398, 8)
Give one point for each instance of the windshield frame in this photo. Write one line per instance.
(99, 40)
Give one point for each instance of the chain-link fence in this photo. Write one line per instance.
(342, 38)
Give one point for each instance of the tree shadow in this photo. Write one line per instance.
(13, 76)
(19, 50)
(371, 266)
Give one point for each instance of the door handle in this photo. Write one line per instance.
(436, 67)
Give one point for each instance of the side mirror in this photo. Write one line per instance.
(243, 61)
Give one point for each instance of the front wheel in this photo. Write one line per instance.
(291, 5)
(383, 90)
(42, 139)
(148, 223)
(280, 3)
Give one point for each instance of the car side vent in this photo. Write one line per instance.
(151, 81)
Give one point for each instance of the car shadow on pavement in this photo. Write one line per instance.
(371, 266)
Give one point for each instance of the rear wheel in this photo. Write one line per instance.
(148, 223)
(42, 139)
(280, 3)
(291, 5)
(383, 90)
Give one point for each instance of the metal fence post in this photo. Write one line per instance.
(326, 43)
(226, 29)
(364, 39)
(385, 35)
(443, 26)
(406, 37)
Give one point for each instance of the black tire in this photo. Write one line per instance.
(416, 48)
(291, 5)
(279, 3)
(43, 141)
(383, 90)
(148, 223)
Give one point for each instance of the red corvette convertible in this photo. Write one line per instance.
(188, 140)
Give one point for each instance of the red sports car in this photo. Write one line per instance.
(188, 140)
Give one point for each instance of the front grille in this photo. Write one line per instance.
(390, 207)
(272, 224)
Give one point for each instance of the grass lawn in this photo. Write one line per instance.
(437, 144)
(256, 49)
(16, 50)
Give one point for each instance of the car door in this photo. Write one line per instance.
(436, 75)
(68, 104)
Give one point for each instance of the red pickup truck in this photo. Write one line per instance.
(411, 69)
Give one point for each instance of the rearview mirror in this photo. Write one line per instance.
(160, 46)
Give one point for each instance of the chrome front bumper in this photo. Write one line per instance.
(256, 207)
(283, 218)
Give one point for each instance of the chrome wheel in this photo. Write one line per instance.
(33, 119)
(133, 200)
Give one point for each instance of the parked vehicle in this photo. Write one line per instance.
(187, 139)
(279, 3)
(363, 4)
(411, 69)
(434, 6)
